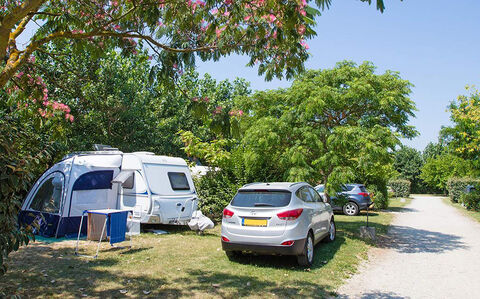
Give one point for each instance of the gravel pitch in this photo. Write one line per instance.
(431, 251)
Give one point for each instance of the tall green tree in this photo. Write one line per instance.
(437, 171)
(464, 136)
(408, 163)
(328, 125)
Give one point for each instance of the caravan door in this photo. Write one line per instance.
(173, 193)
(43, 207)
(134, 195)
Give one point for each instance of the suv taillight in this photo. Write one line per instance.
(364, 194)
(290, 215)
(227, 213)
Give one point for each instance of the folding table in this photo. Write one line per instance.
(115, 226)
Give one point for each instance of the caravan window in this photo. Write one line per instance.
(128, 184)
(49, 194)
(178, 181)
(93, 180)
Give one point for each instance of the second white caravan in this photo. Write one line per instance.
(158, 189)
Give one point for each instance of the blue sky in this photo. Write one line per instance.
(432, 43)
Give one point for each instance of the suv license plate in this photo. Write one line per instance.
(254, 222)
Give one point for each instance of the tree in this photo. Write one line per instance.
(327, 126)
(464, 136)
(408, 163)
(271, 32)
(437, 171)
(433, 150)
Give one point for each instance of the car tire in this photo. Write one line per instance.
(351, 209)
(332, 232)
(232, 255)
(305, 259)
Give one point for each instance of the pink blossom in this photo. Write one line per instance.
(272, 18)
(301, 29)
(304, 44)
(247, 18)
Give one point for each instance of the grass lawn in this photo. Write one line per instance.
(183, 264)
(472, 214)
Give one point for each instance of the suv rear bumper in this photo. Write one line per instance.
(295, 249)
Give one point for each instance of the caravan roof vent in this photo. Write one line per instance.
(104, 147)
(144, 153)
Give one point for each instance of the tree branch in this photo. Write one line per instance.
(13, 17)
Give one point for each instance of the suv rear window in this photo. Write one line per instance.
(263, 198)
(363, 189)
(348, 187)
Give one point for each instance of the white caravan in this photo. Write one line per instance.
(158, 189)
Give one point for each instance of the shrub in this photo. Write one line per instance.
(215, 190)
(380, 196)
(457, 186)
(471, 200)
(401, 188)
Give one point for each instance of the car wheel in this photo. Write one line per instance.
(351, 209)
(232, 255)
(306, 257)
(332, 232)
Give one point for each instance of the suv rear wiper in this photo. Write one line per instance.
(262, 204)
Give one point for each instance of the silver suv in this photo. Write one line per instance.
(277, 218)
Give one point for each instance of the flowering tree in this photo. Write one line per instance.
(464, 136)
(273, 33)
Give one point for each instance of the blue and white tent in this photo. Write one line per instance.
(158, 189)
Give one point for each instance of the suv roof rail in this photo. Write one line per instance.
(298, 183)
(249, 184)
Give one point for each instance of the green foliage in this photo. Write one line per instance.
(380, 197)
(328, 126)
(408, 163)
(471, 200)
(401, 188)
(23, 154)
(433, 150)
(456, 186)
(437, 171)
(215, 190)
(464, 136)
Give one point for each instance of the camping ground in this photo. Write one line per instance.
(184, 264)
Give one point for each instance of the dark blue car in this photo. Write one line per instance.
(356, 194)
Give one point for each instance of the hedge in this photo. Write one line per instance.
(401, 188)
(471, 201)
(457, 186)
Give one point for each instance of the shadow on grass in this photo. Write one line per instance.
(244, 285)
(324, 252)
(42, 271)
(174, 229)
